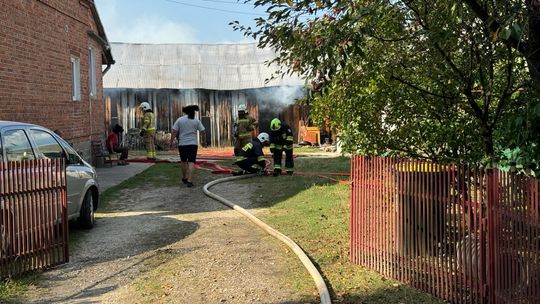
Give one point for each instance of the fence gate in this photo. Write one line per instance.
(462, 233)
(33, 216)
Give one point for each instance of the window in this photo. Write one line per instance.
(17, 146)
(76, 78)
(92, 72)
(47, 146)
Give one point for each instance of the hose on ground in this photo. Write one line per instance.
(321, 285)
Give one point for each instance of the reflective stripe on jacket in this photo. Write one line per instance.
(282, 138)
(148, 122)
(246, 124)
(253, 150)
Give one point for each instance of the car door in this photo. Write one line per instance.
(47, 147)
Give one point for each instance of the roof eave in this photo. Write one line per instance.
(101, 36)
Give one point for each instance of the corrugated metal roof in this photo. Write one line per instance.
(193, 66)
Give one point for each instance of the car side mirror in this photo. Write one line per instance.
(73, 159)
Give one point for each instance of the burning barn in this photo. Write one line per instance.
(217, 78)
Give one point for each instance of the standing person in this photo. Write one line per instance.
(148, 130)
(243, 128)
(250, 158)
(113, 144)
(186, 128)
(281, 139)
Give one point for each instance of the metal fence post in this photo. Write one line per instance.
(492, 188)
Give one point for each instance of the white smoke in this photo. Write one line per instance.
(277, 99)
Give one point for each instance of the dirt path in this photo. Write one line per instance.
(173, 245)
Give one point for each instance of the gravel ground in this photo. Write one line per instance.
(173, 245)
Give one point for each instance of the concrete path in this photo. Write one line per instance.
(112, 176)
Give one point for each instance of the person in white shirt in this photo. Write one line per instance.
(185, 131)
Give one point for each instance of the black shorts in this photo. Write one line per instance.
(188, 153)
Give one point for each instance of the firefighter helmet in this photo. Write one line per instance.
(263, 137)
(242, 108)
(275, 124)
(145, 106)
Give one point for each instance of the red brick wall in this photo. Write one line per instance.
(37, 40)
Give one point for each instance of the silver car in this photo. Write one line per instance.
(20, 141)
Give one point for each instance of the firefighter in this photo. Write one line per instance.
(242, 128)
(250, 158)
(281, 139)
(148, 130)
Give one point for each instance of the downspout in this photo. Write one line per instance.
(106, 69)
(106, 51)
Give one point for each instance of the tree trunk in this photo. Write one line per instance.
(487, 139)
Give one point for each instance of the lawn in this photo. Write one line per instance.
(12, 289)
(311, 210)
(315, 213)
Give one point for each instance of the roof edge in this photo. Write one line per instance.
(101, 35)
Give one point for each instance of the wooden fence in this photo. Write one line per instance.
(33, 216)
(464, 234)
(217, 109)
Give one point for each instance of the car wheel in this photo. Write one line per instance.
(86, 219)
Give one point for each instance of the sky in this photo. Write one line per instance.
(175, 21)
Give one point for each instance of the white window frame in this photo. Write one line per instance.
(76, 78)
(92, 78)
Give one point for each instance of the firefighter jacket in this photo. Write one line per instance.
(281, 139)
(148, 122)
(244, 126)
(253, 151)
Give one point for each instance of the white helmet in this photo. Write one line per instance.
(145, 106)
(242, 107)
(263, 137)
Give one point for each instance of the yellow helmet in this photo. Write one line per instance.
(275, 124)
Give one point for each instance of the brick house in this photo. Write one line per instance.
(52, 54)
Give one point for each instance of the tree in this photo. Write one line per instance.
(425, 78)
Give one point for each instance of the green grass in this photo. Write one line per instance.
(12, 289)
(307, 150)
(339, 164)
(315, 213)
(312, 211)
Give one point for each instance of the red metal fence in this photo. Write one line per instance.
(462, 233)
(32, 216)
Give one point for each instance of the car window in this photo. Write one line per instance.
(47, 145)
(17, 146)
(72, 156)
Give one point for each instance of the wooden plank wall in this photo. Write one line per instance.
(121, 106)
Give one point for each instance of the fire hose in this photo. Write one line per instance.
(321, 285)
(219, 169)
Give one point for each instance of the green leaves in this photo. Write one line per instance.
(421, 78)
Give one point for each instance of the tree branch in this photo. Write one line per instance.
(437, 45)
(494, 25)
(421, 89)
(477, 111)
(503, 100)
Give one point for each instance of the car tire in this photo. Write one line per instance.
(87, 217)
